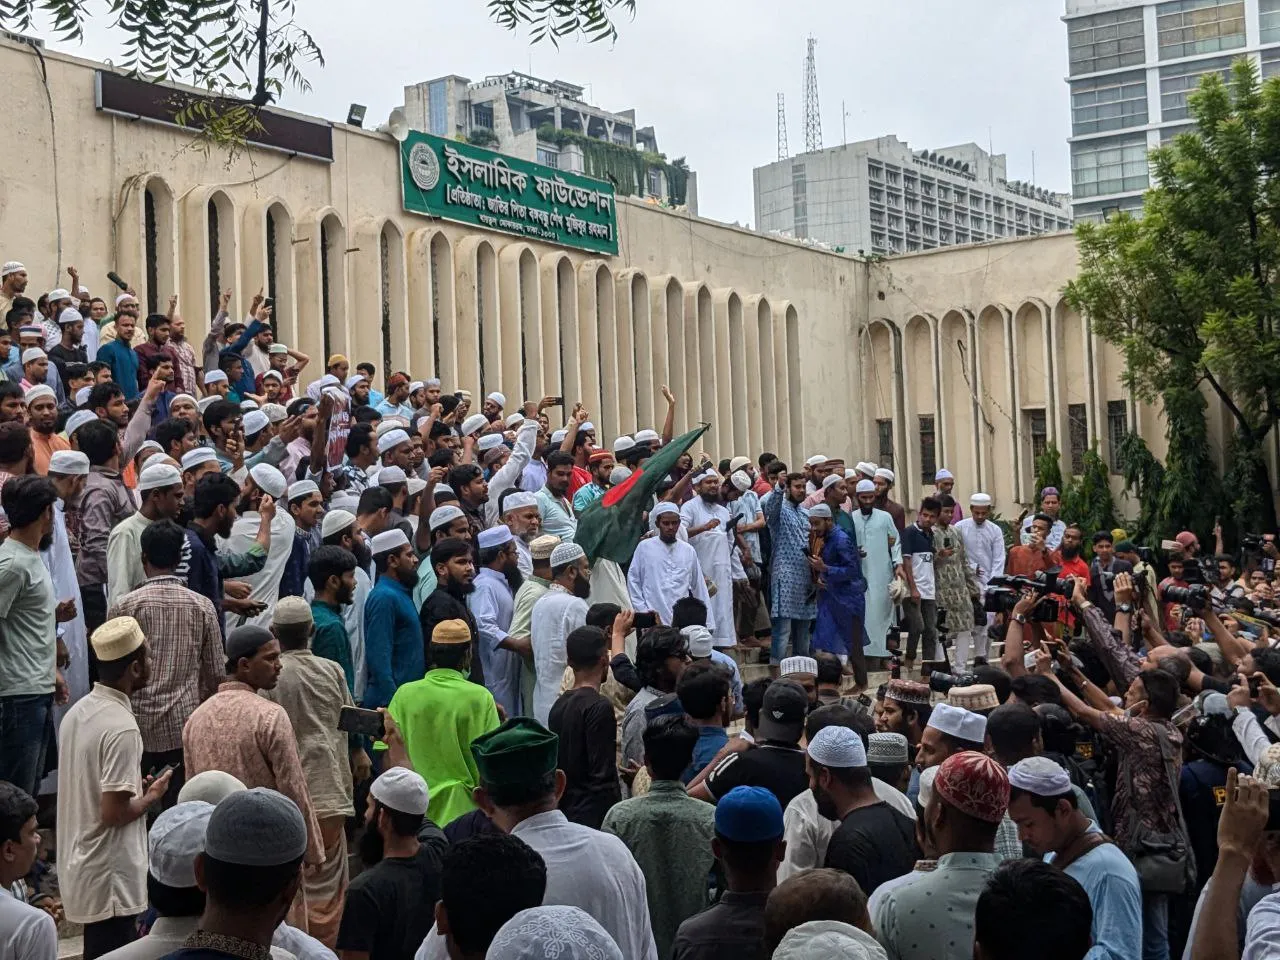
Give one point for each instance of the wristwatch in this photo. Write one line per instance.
(1020, 618)
(1124, 608)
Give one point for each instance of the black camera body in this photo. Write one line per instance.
(940, 682)
(1195, 597)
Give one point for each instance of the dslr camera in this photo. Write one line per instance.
(1194, 597)
(1003, 593)
(940, 681)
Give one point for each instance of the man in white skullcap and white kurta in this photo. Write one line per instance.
(706, 521)
(881, 548)
(985, 550)
(69, 471)
(507, 476)
(492, 603)
(560, 611)
(520, 514)
(665, 568)
(264, 483)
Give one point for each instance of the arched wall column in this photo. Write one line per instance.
(471, 312)
(880, 345)
(396, 293)
(1033, 385)
(444, 307)
(920, 394)
(752, 374)
(136, 249)
(420, 310)
(998, 420)
(520, 308)
(589, 355)
(1073, 375)
(695, 320)
(635, 367)
(957, 398)
(794, 381)
(727, 383)
(559, 320)
(196, 277)
(786, 448)
(309, 265)
(667, 318)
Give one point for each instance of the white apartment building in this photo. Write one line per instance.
(880, 196)
(1132, 65)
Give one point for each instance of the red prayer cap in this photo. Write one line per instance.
(974, 784)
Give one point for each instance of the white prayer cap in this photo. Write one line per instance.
(477, 421)
(958, 722)
(865, 486)
(443, 516)
(490, 441)
(566, 553)
(519, 500)
(980, 500)
(58, 294)
(82, 397)
(837, 746)
(514, 420)
(795, 665)
(215, 376)
(388, 540)
(182, 398)
(431, 382)
(867, 469)
(557, 437)
(700, 641)
(193, 458)
(740, 480)
(211, 786)
(416, 485)
(830, 479)
(1041, 776)
(275, 412)
(336, 521)
(587, 427)
(302, 488)
(278, 348)
(622, 444)
(619, 474)
(820, 511)
(568, 933)
(247, 405)
(160, 475)
(392, 438)
(705, 475)
(497, 398)
(148, 445)
(38, 391)
(354, 379)
(269, 480)
(346, 500)
(737, 463)
(69, 315)
(884, 473)
(13, 266)
(541, 548)
(78, 420)
(33, 353)
(816, 460)
(943, 474)
(647, 436)
(69, 463)
(159, 458)
(495, 536)
(272, 375)
(255, 421)
(125, 298)
(827, 940)
(388, 476)
(387, 424)
(204, 403)
(927, 776)
(664, 506)
(174, 842)
(402, 790)
(850, 474)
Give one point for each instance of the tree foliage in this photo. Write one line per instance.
(1086, 500)
(1187, 293)
(553, 20)
(1048, 471)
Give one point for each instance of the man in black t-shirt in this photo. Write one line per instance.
(583, 720)
(390, 907)
(776, 762)
(874, 842)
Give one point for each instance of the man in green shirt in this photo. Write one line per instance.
(439, 716)
(333, 577)
(667, 831)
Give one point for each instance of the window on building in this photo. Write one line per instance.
(884, 436)
(1270, 62)
(384, 265)
(438, 108)
(152, 252)
(1179, 80)
(325, 306)
(1189, 27)
(272, 285)
(1037, 430)
(928, 450)
(1117, 430)
(799, 200)
(548, 157)
(482, 116)
(1077, 435)
(1269, 21)
(1109, 103)
(215, 258)
(1105, 41)
(1113, 165)
(654, 176)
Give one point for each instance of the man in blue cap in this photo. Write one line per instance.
(748, 843)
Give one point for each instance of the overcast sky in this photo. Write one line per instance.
(706, 74)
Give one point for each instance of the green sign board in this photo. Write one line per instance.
(456, 181)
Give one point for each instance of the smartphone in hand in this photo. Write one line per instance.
(366, 723)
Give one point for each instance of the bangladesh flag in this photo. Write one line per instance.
(611, 527)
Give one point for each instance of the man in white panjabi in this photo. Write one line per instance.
(881, 560)
(985, 550)
(664, 568)
(706, 521)
(558, 612)
(264, 586)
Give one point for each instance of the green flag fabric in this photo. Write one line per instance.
(611, 527)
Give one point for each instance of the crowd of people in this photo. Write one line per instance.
(248, 620)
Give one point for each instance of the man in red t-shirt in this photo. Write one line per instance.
(1073, 565)
(1169, 612)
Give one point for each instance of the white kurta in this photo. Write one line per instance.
(881, 552)
(556, 615)
(984, 548)
(524, 559)
(662, 573)
(588, 869)
(264, 586)
(713, 549)
(62, 574)
(492, 605)
(508, 475)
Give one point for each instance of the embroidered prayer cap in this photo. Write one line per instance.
(817, 460)
(700, 641)
(256, 828)
(664, 506)
(867, 469)
(59, 294)
(387, 541)
(69, 463)
(354, 379)
(799, 665)
(820, 511)
(278, 348)
(193, 458)
(958, 722)
(749, 815)
(216, 376)
(443, 516)
(432, 383)
(269, 480)
(182, 398)
(1268, 768)
(33, 353)
(542, 547)
(390, 476)
(302, 488)
(211, 786)
(246, 641)
(415, 386)
(980, 500)
(175, 840)
(402, 790)
(490, 441)
(975, 785)
(837, 746)
(397, 379)
(292, 610)
(979, 696)
(865, 486)
(1041, 776)
(255, 421)
(474, 423)
(13, 266)
(565, 933)
(450, 632)
(495, 536)
(68, 316)
(521, 751)
(158, 476)
(566, 553)
(908, 691)
(599, 456)
(38, 391)
(497, 398)
(519, 501)
(390, 439)
(886, 749)
(943, 474)
(740, 480)
(827, 940)
(117, 638)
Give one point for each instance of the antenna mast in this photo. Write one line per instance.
(783, 150)
(812, 115)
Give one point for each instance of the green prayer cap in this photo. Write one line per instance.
(520, 751)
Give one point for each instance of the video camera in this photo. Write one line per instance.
(1195, 596)
(1003, 593)
(1139, 578)
(940, 681)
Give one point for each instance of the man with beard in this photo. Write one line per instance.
(841, 592)
(29, 677)
(396, 401)
(214, 509)
(340, 529)
(13, 283)
(160, 486)
(223, 422)
(880, 543)
(600, 464)
(1073, 564)
(984, 546)
(69, 349)
(440, 715)
(706, 521)
(492, 406)
(453, 561)
(390, 906)
(104, 503)
(560, 611)
(393, 646)
(884, 483)
(469, 484)
(791, 602)
(519, 511)
(13, 403)
(493, 606)
(906, 711)
(240, 732)
(506, 477)
(42, 415)
(665, 569)
(102, 809)
(358, 386)
(557, 514)
(875, 842)
(306, 506)
(332, 573)
(264, 484)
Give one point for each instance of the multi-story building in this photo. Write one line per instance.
(1132, 65)
(880, 196)
(549, 122)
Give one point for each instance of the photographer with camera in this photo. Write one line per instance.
(1256, 698)
(1017, 638)
(1102, 573)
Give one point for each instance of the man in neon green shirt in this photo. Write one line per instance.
(439, 716)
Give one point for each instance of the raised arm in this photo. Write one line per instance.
(669, 424)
